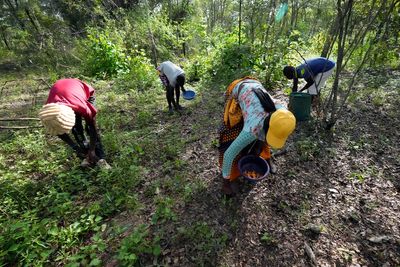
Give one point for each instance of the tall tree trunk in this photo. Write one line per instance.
(153, 47)
(317, 14)
(3, 35)
(154, 58)
(28, 13)
(15, 13)
(214, 12)
(270, 21)
(222, 11)
(252, 25)
(240, 19)
(293, 17)
(343, 13)
(330, 38)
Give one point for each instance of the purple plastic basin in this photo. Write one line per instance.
(253, 163)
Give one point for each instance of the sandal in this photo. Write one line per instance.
(227, 188)
(272, 167)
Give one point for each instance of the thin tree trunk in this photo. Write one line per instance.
(252, 25)
(15, 13)
(214, 13)
(332, 103)
(270, 21)
(295, 12)
(240, 19)
(3, 34)
(27, 12)
(222, 11)
(153, 46)
(318, 13)
(330, 38)
(343, 13)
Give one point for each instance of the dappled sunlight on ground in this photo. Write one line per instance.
(166, 177)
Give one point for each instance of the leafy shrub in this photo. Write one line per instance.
(233, 60)
(105, 57)
(194, 69)
(141, 74)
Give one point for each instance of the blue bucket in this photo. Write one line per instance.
(189, 95)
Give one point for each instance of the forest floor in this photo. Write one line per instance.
(336, 193)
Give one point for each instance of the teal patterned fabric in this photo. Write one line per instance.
(243, 140)
(253, 116)
(252, 110)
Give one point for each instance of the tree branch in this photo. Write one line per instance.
(19, 119)
(18, 127)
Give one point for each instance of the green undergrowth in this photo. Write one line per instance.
(54, 212)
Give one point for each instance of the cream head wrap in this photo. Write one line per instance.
(57, 119)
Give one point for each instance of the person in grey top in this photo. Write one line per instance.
(173, 78)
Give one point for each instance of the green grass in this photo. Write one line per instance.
(203, 238)
(54, 212)
(267, 239)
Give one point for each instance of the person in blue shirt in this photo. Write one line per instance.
(314, 71)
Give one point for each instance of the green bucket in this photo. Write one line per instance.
(300, 105)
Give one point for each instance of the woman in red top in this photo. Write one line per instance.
(70, 101)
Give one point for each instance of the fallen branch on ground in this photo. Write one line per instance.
(18, 127)
(310, 254)
(19, 119)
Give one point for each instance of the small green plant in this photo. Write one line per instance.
(203, 237)
(287, 91)
(379, 98)
(307, 148)
(144, 118)
(164, 210)
(89, 255)
(267, 239)
(357, 176)
(137, 244)
(215, 143)
(283, 206)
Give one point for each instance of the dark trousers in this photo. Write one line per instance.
(81, 144)
(170, 94)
